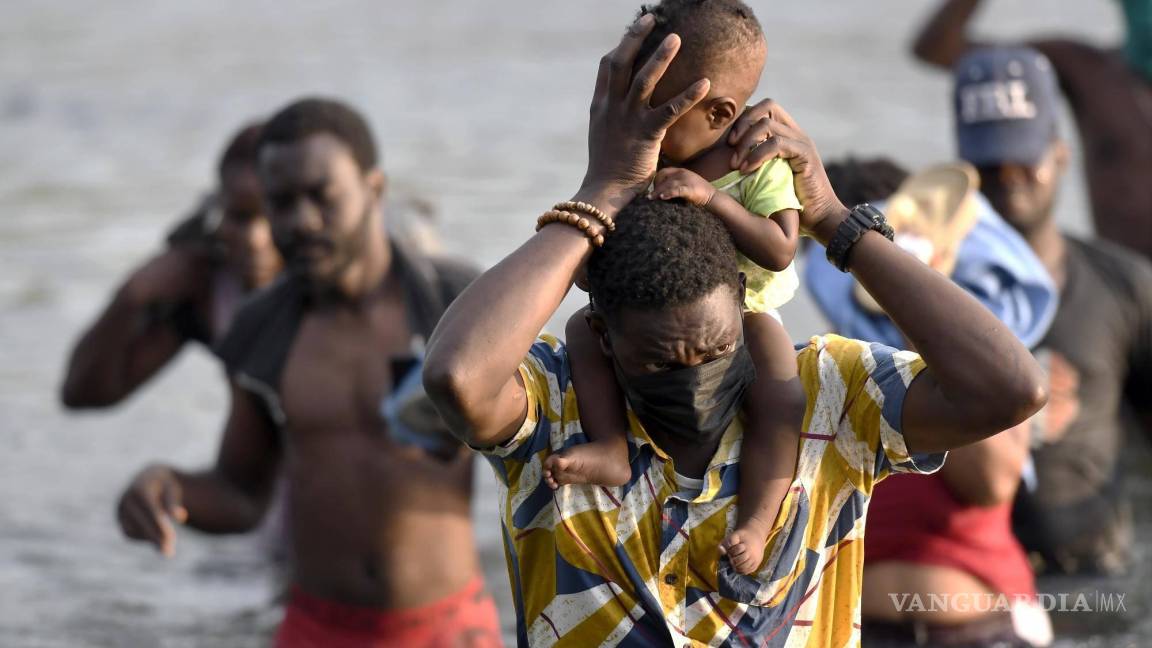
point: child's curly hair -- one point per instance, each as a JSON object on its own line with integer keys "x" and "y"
{"x": 709, "y": 29}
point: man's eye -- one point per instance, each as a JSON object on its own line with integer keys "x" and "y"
{"x": 657, "y": 367}
{"x": 726, "y": 349}
{"x": 280, "y": 203}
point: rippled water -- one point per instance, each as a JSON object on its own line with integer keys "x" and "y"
{"x": 111, "y": 114}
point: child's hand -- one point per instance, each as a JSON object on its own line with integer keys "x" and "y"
{"x": 673, "y": 182}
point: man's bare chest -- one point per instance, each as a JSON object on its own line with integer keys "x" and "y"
{"x": 339, "y": 369}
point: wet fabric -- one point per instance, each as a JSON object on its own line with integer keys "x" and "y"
{"x": 916, "y": 519}
{"x": 638, "y": 565}
{"x": 467, "y": 619}
{"x": 994, "y": 264}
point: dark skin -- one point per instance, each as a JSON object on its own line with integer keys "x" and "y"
{"x": 126, "y": 345}
{"x": 1112, "y": 105}
{"x": 773, "y": 415}
{"x": 979, "y": 379}
{"x": 1025, "y": 195}
{"x": 362, "y": 508}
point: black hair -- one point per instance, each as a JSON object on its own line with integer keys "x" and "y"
{"x": 713, "y": 28}
{"x": 858, "y": 181}
{"x": 315, "y": 115}
{"x": 663, "y": 253}
{"x": 243, "y": 149}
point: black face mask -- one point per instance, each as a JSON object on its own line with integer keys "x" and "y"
{"x": 693, "y": 404}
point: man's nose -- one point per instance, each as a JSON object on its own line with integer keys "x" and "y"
{"x": 1012, "y": 175}
{"x": 305, "y": 217}
{"x": 693, "y": 359}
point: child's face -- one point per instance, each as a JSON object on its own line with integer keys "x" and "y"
{"x": 703, "y": 126}
{"x": 693, "y": 133}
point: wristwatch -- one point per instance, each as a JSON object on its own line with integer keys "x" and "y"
{"x": 861, "y": 219}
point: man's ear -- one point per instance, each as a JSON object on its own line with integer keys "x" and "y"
{"x": 743, "y": 292}
{"x": 600, "y": 328}
{"x": 722, "y": 111}
{"x": 377, "y": 183}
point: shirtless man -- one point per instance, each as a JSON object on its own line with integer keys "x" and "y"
{"x": 1110, "y": 93}
{"x": 190, "y": 291}
{"x": 381, "y": 532}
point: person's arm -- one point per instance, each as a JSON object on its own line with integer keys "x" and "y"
{"x": 944, "y": 38}
{"x": 980, "y": 380}
{"x": 988, "y": 473}
{"x": 471, "y": 369}
{"x": 602, "y": 407}
{"x": 134, "y": 336}
{"x": 768, "y": 242}
{"x": 230, "y": 497}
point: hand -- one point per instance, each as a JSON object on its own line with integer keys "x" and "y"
{"x": 624, "y": 131}
{"x": 149, "y": 505}
{"x": 765, "y": 132}
{"x": 673, "y": 182}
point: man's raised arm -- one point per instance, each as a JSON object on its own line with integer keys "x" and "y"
{"x": 471, "y": 370}
{"x": 944, "y": 38}
{"x": 980, "y": 380}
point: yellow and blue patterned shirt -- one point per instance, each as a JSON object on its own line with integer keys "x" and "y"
{"x": 639, "y": 565}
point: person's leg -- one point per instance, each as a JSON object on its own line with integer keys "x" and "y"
{"x": 604, "y": 459}
{"x": 773, "y": 414}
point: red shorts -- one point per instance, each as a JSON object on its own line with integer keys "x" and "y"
{"x": 465, "y": 619}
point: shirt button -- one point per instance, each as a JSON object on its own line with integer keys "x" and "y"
{"x": 670, "y": 579}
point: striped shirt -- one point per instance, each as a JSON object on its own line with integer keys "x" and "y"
{"x": 639, "y": 565}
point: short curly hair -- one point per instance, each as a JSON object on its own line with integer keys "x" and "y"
{"x": 663, "y": 253}
{"x": 315, "y": 115}
{"x": 242, "y": 150}
{"x": 710, "y": 30}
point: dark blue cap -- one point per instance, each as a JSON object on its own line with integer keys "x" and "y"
{"x": 1006, "y": 106}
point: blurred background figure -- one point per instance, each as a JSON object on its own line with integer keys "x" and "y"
{"x": 1098, "y": 352}
{"x": 188, "y": 292}
{"x": 383, "y": 552}
{"x": 949, "y": 533}
{"x": 98, "y": 143}
{"x": 1110, "y": 93}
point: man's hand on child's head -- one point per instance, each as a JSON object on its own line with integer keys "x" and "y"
{"x": 624, "y": 128}
{"x": 673, "y": 182}
{"x": 766, "y": 132}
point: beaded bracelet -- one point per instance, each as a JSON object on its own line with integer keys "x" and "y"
{"x": 575, "y": 220}
{"x": 591, "y": 210}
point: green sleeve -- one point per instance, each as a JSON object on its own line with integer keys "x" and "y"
{"x": 769, "y": 189}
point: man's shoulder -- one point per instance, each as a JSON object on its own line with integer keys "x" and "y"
{"x": 279, "y": 307}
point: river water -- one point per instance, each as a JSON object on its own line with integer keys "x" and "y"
{"x": 111, "y": 115}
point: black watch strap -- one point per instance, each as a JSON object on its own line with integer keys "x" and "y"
{"x": 863, "y": 218}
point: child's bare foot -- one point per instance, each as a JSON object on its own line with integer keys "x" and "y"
{"x": 587, "y": 463}
{"x": 745, "y": 546}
